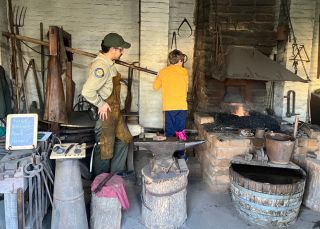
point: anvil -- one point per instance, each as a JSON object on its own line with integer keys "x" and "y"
{"x": 166, "y": 148}
{"x": 162, "y": 151}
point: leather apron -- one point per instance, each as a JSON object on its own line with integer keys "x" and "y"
{"x": 114, "y": 126}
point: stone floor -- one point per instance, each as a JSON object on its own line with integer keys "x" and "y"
{"x": 206, "y": 210}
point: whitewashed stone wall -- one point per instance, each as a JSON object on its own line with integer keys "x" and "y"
{"x": 154, "y": 50}
{"x": 304, "y": 17}
{"x": 4, "y": 55}
{"x": 157, "y": 26}
{"x": 89, "y": 21}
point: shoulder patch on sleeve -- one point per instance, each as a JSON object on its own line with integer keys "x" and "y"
{"x": 98, "y": 72}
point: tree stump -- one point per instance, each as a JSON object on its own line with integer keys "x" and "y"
{"x": 164, "y": 198}
{"x": 311, "y": 198}
{"x": 105, "y": 213}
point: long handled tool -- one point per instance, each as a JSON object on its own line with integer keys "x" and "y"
{"x": 103, "y": 182}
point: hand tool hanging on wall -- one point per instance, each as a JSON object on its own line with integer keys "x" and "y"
{"x": 77, "y": 51}
{"x": 128, "y": 100}
{"x": 174, "y": 40}
{"x": 18, "y": 22}
{"x": 296, "y": 48}
{"x": 42, "y": 61}
{"x": 291, "y": 101}
{"x": 185, "y": 21}
{"x": 14, "y": 75}
{"x": 217, "y": 52}
{"x": 35, "y": 77}
{"x": 36, "y": 81}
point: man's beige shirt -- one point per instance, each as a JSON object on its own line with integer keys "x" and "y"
{"x": 98, "y": 86}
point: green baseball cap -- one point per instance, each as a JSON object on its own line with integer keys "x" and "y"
{"x": 115, "y": 40}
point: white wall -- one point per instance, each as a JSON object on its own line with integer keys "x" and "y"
{"x": 89, "y": 21}
{"x": 304, "y": 17}
{"x": 159, "y": 19}
{"x": 4, "y": 54}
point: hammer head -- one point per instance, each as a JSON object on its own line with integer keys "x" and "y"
{"x": 168, "y": 147}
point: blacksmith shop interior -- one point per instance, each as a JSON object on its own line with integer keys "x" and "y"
{"x": 160, "y": 114}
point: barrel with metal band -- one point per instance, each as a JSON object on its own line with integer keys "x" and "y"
{"x": 267, "y": 196}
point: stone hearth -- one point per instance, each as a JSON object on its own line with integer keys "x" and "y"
{"x": 216, "y": 153}
{"x": 220, "y": 147}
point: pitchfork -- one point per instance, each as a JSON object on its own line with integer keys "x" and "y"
{"x": 19, "y": 15}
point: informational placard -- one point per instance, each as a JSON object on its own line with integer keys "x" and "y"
{"x": 21, "y": 131}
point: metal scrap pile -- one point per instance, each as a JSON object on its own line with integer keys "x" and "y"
{"x": 225, "y": 121}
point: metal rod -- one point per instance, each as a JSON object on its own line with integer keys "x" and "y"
{"x": 20, "y": 208}
{"x": 76, "y": 51}
{"x": 35, "y": 76}
{"x": 42, "y": 61}
{"x": 295, "y": 130}
{"x": 103, "y": 182}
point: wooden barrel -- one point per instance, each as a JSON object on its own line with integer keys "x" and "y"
{"x": 267, "y": 196}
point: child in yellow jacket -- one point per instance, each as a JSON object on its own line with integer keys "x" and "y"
{"x": 173, "y": 80}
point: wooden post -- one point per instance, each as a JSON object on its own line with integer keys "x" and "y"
{"x": 55, "y": 106}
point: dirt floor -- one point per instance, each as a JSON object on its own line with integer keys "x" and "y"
{"x": 206, "y": 210}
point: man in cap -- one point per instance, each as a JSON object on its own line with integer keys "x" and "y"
{"x": 103, "y": 89}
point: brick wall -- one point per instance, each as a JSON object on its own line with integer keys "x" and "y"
{"x": 216, "y": 154}
{"x": 245, "y": 22}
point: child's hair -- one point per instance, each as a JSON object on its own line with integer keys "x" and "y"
{"x": 175, "y": 55}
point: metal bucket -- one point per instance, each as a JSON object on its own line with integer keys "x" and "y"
{"x": 267, "y": 196}
{"x": 279, "y": 147}
{"x": 260, "y": 132}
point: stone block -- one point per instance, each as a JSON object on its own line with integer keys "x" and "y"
{"x": 310, "y": 132}
{"x": 207, "y": 178}
{"x": 221, "y": 171}
{"x": 222, "y": 179}
{"x": 203, "y": 118}
{"x": 220, "y": 188}
{"x": 220, "y": 162}
{"x": 232, "y": 141}
{"x": 229, "y": 153}
{"x": 310, "y": 143}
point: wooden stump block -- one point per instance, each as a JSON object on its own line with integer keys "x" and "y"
{"x": 105, "y": 213}
{"x": 311, "y": 197}
{"x": 164, "y": 199}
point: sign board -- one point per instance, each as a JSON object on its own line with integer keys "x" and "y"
{"x": 21, "y": 131}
